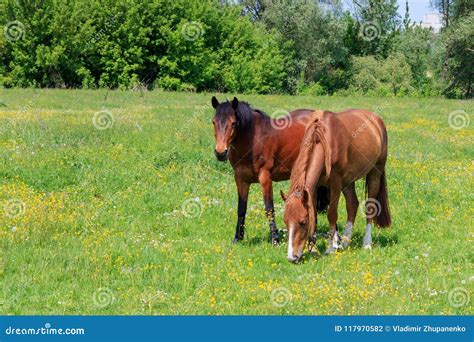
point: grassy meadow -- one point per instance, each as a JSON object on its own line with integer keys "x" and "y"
{"x": 112, "y": 202}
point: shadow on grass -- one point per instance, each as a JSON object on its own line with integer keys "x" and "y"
{"x": 378, "y": 240}
{"x": 257, "y": 240}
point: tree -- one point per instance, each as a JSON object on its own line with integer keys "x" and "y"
{"x": 459, "y": 40}
{"x": 378, "y": 24}
{"x": 255, "y": 8}
{"x": 175, "y": 45}
{"x": 314, "y": 40}
{"x": 390, "y": 76}
{"x": 457, "y": 37}
{"x": 414, "y": 43}
{"x": 445, "y": 8}
{"x": 406, "y": 19}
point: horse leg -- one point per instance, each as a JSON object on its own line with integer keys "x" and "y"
{"x": 267, "y": 189}
{"x": 352, "y": 203}
{"x": 333, "y": 239}
{"x": 312, "y": 239}
{"x": 372, "y": 206}
{"x": 243, "y": 192}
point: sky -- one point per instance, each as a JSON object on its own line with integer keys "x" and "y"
{"x": 417, "y": 8}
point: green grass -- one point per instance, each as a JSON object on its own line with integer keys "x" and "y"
{"x": 101, "y": 227}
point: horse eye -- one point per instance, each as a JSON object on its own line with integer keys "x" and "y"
{"x": 233, "y": 124}
{"x": 302, "y": 223}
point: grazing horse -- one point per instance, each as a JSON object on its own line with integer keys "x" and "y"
{"x": 337, "y": 150}
{"x": 260, "y": 149}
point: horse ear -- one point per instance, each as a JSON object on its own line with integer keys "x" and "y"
{"x": 235, "y": 103}
{"x": 283, "y": 196}
{"x": 214, "y": 102}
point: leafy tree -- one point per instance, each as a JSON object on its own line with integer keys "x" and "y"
{"x": 255, "y": 8}
{"x": 313, "y": 37}
{"x": 247, "y": 46}
{"x": 378, "y": 25}
{"x": 365, "y": 69}
{"x": 390, "y": 76}
{"x": 459, "y": 40}
{"x": 177, "y": 45}
{"x": 445, "y": 7}
{"x": 397, "y": 74}
{"x": 407, "y": 24}
{"x": 415, "y": 44}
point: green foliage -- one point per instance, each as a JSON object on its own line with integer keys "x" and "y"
{"x": 314, "y": 89}
{"x": 459, "y": 41}
{"x": 243, "y": 46}
{"x": 377, "y": 26}
{"x": 390, "y": 76}
{"x": 254, "y": 62}
{"x": 316, "y": 40}
{"x": 366, "y": 71}
{"x": 414, "y": 43}
{"x": 175, "y": 45}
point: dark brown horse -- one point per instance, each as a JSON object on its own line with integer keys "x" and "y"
{"x": 337, "y": 150}
{"x": 260, "y": 149}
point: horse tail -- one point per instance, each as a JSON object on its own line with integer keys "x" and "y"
{"x": 322, "y": 199}
{"x": 383, "y": 219}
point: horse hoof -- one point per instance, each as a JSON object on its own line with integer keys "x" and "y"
{"x": 345, "y": 242}
{"x": 367, "y": 247}
{"x": 330, "y": 250}
{"x": 235, "y": 241}
{"x": 275, "y": 242}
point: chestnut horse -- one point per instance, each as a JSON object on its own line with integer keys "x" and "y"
{"x": 260, "y": 149}
{"x": 337, "y": 150}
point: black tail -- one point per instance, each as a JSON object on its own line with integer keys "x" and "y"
{"x": 383, "y": 219}
{"x": 322, "y": 199}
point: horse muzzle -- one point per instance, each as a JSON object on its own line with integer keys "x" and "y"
{"x": 222, "y": 156}
{"x": 294, "y": 258}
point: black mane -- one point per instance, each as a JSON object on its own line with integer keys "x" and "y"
{"x": 244, "y": 113}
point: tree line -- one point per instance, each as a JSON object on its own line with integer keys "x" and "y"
{"x": 313, "y": 47}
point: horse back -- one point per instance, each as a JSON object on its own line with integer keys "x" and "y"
{"x": 358, "y": 140}
{"x": 276, "y": 144}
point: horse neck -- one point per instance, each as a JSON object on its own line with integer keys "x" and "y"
{"x": 315, "y": 168}
{"x": 244, "y": 139}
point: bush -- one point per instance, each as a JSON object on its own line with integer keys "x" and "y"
{"x": 396, "y": 73}
{"x": 366, "y": 73}
{"x": 174, "y": 45}
{"x": 385, "y": 77}
{"x": 314, "y": 89}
